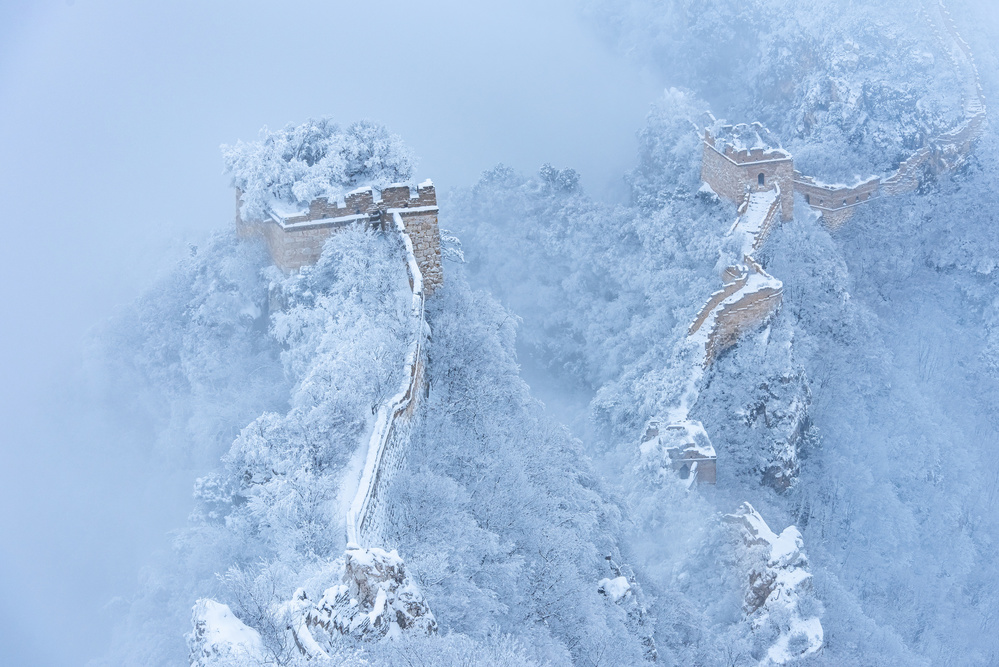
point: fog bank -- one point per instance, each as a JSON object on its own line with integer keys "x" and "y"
{"x": 111, "y": 114}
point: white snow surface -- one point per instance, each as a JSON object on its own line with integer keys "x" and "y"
{"x": 785, "y": 581}
{"x": 615, "y": 588}
{"x": 751, "y": 224}
{"x": 219, "y": 634}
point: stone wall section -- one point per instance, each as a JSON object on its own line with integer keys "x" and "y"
{"x": 745, "y": 314}
{"x": 835, "y": 203}
{"x": 389, "y": 441}
{"x": 836, "y": 219}
{"x": 296, "y": 240}
{"x": 426, "y": 236}
{"x": 365, "y": 526}
{"x": 730, "y": 287}
{"x": 291, "y": 250}
{"x": 749, "y": 295}
{"x": 731, "y": 173}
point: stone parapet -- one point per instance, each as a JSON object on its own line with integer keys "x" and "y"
{"x": 296, "y": 238}
{"x": 748, "y": 312}
{"x": 825, "y": 197}
{"x": 739, "y": 277}
{"x": 389, "y": 439}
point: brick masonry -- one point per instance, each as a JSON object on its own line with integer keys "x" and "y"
{"x": 297, "y": 240}
{"x": 732, "y": 173}
{"x": 746, "y": 314}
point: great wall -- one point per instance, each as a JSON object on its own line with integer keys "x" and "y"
{"x": 742, "y": 164}
{"x": 759, "y": 177}
{"x": 944, "y": 152}
{"x": 390, "y": 436}
{"x": 745, "y": 165}
{"x": 295, "y": 238}
{"x": 376, "y": 598}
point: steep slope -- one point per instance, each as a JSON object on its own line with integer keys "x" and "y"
{"x": 495, "y": 509}
{"x": 862, "y": 415}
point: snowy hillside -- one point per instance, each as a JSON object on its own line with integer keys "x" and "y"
{"x": 849, "y": 517}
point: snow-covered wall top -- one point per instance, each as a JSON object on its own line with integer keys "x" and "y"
{"x": 390, "y": 436}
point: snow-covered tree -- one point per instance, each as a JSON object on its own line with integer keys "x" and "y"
{"x": 317, "y": 158}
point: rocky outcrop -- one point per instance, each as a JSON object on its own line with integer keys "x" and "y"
{"x": 376, "y": 600}
{"x": 780, "y": 408}
{"x": 779, "y": 600}
{"x": 219, "y": 638}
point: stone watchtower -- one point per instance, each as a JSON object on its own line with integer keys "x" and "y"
{"x": 295, "y": 236}
{"x": 749, "y": 160}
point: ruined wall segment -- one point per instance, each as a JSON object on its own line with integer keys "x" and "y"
{"x": 683, "y": 448}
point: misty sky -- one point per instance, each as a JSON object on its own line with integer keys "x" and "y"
{"x": 111, "y": 116}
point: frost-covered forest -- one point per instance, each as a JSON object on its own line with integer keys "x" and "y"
{"x": 532, "y": 521}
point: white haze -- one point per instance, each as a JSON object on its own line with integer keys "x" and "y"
{"x": 111, "y": 114}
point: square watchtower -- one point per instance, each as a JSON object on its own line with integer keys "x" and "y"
{"x": 745, "y": 158}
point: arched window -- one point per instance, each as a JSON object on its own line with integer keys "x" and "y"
{"x": 808, "y": 199}
{"x": 761, "y": 179}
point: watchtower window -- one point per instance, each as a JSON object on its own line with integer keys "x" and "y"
{"x": 808, "y": 199}
{"x": 761, "y": 179}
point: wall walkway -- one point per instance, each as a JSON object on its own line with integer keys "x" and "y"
{"x": 389, "y": 440}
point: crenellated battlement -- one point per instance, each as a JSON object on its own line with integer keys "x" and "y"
{"x": 746, "y": 155}
{"x": 753, "y": 155}
{"x": 404, "y": 196}
{"x": 296, "y": 236}
{"x": 361, "y": 202}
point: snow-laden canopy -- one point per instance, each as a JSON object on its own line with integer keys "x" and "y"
{"x": 317, "y": 158}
